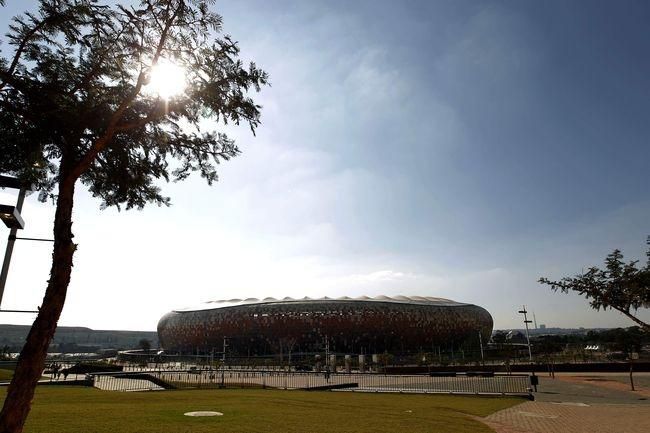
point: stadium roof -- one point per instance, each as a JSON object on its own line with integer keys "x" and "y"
{"x": 414, "y": 300}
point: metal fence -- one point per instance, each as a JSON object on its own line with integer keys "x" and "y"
{"x": 452, "y": 383}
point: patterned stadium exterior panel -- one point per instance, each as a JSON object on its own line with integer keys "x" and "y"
{"x": 351, "y": 325}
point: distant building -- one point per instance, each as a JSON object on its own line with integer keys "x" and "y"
{"x": 542, "y": 326}
{"x": 349, "y": 325}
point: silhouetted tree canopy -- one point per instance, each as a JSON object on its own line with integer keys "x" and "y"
{"x": 620, "y": 286}
{"x": 499, "y": 338}
{"x": 144, "y": 344}
{"x": 73, "y": 98}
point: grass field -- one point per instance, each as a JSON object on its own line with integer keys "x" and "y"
{"x": 88, "y": 410}
{"x": 6, "y": 375}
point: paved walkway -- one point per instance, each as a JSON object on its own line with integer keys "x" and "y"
{"x": 571, "y": 405}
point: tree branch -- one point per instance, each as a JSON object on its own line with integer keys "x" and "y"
{"x": 105, "y": 139}
{"x": 641, "y": 323}
{"x": 92, "y": 72}
{"x": 153, "y": 115}
{"x": 21, "y": 48}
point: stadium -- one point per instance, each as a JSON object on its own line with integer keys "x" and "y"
{"x": 395, "y": 325}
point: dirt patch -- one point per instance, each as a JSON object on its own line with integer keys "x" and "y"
{"x": 604, "y": 382}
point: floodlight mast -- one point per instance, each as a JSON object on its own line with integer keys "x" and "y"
{"x": 526, "y": 322}
{"x": 14, "y": 224}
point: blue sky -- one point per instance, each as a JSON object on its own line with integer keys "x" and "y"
{"x": 456, "y": 149}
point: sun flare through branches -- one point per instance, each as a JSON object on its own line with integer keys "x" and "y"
{"x": 167, "y": 79}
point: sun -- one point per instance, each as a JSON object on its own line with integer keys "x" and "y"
{"x": 167, "y": 79}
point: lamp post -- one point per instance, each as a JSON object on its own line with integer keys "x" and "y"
{"x": 11, "y": 217}
{"x": 223, "y": 362}
{"x": 327, "y": 359}
{"x": 526, "y": 322}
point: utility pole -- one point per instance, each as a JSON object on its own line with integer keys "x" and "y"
{"x": 480, "y": 342}
{"x": 526, "y": 322}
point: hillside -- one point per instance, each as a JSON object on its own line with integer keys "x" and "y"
{"x": 78, "y": 339}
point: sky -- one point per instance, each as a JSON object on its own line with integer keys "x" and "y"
{"x": 456, "y": 149}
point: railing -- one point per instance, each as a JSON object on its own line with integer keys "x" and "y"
{"x": 368, "y": 382}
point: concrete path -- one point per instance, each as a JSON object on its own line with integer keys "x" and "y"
{"x": 571, "y": 405}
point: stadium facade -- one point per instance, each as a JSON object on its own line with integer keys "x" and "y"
{"x": 396, "y": 325}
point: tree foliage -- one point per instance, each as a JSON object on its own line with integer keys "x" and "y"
{"x": 620, "y": 286}
{"x": 499, "y": 338}
{"x": 74, "y": 100}
{"x": 76, "y": 105}
{"x": 144, "y": 344}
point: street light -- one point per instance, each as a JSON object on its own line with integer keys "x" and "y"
{"x": 11, "y": 217}
{"x": 10, "y": 182}
{"x": 526, "y": 322}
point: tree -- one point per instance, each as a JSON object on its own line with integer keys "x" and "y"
{"x": 145, "y": 345}
{"x": 76, "y": 105}
{"x": 619, "y": 286}
{"x": 499, "y": 338}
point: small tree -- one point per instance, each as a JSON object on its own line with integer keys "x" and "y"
{"x": 145, "y": 345}
{"x": 619, "y": 286}
{"x": 77, "y": 105}
{"x": 499, "y": 338}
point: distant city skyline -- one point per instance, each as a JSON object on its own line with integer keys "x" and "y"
{"x": 456, "y": 149}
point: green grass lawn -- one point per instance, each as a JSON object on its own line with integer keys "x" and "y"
{"x": 6, "y": 374}
{"x": 88, "y": 410}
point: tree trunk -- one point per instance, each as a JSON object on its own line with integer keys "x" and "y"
{"x": 32, "y": 357}
{"x": 644, "y": 326}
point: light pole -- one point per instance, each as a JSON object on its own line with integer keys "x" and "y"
{"x": 526, "y": 322}
{"x": 223, "y": 362}
{"x": 327, "y": 359}
{"x": 10, "y": 215}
